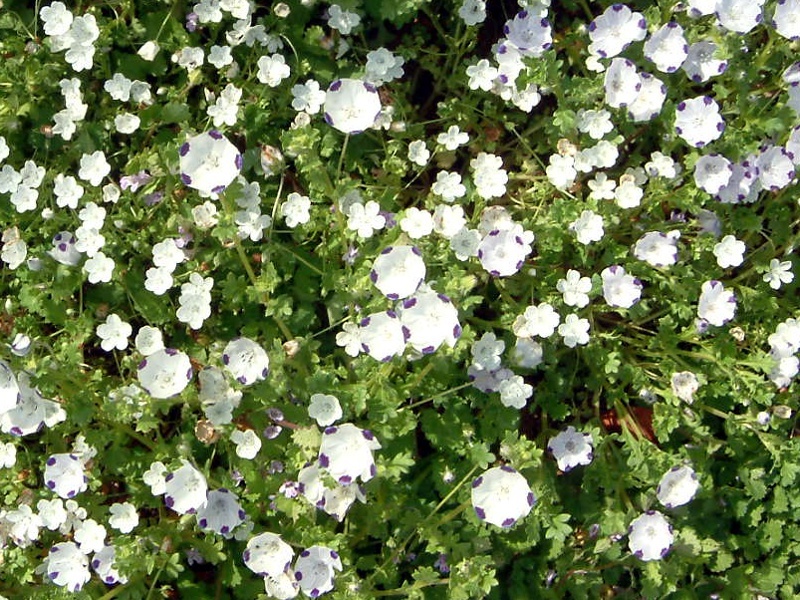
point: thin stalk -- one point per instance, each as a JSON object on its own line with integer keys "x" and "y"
{"x": 341, "y": 156}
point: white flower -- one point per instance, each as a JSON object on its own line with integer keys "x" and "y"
{"x": 528, "y": 353}
{"x": 123, "y": 517}
{"x": 205, "y": 215}
{"x": 452, "y": 138}
{"x": 8, "y": 455}
{"x": 296, "y": 210}
{"x": 247, "y": 443}
{"x": 118, "y": 87}
{"x": 780, "y": 272}
{"x": 343, "y": 21}
{"x": 540, "y": 320}
{"x": 488, "y": 175}
{"x": 67, "y": 190}
{"x": 165, "y": 373}
{"x": 114, "y": 333}
{"x": 571, "y": 448}
{"x": 220, "y": 56}
{"x": 677, "y": 487}
{"x": 501, "y": 496}
{"x": 487, "y": 350}
{"x": 365, "y": 219}
{"x": 650, "y": 536}
{"x": 398, "y": 271}
{"x": 324, "y": 409}
{"x": 346, "y": 453}
{"x": 64, "y": 475}
{"x": 472, "y": 12}
{"x": 126, "y": 123}
{"x": 155, "y": 478}
{"x": 514, "y": 392}
{"x": 448, "y": 186}
{"x": 602, "y": 187}
{"x": 619, "y": 288}
{"x": 465, "y": 243}
{"x": 351, "y": 106}
{"x": 383, "y": 66}
{"x": 417, "y": 223}
{"x": 481, "y": 75}
{"x": 158, "y": 280}
{"x": 588, "y": 227}
{"x": 186, "y": 489}
{"x": 52, "y": 513}
{"x": 91, "y": 536}
{"x": 308, "y": 97}
{"x": 684, "y": 384}
{"x": 149, "y": 340}
{"x": 574, "y": 330}
{"x": 418, "y": 153}
{"x": 729, "y": 252}
{"x": 195, "y": 300}
{"x": 226, "y": 106}
{"x": 350, "y": 339}
{"x": 575, "y": 289}
{"x": 25, "y": 525}
{"x": 57, "y": 19}
{"x": 448, "y": 220}
{"x": 716, "y": 305}
{"x": 272, "y": 70}
{"x": 596, "y": 123}
{"x": 94, "y": 167}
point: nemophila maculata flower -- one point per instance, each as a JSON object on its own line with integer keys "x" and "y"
{"x": 658, "y": 249}
{"x": 571, "y": 448}
{"x": 529, "y": 33}
{"x": 667, "y": 47}
{"x": 222, "y": 512}
{"x": 700, "y": 64}
{"x": 124, "y": 517}
{"x": 66, "y": 566}
{"x": 503, "y": 252}
{"x": 615, "y": 30}
{"x": 775, "y": 168}
{"x": 10, "y": 394}
{"x": 677, "y": 487}
{"x": 650, "y": 99}
{"x": 698, "y": 122}
{"x": 185, "y": 490}
{"x": 428, "y": 320}
{"x": 619, "y": 288}
{"x": 650, "y": 536}
{"x": 315, "y": 568}
{"x": 64, "y": 474}
{"x": 268, "y": 555}
{"x": 104, "y": 564}
{"x": 622, "y": 83}
{"x": 740, "y": 16}
{"x": 716, "y": 305}
{"x": 32, "y": 412}
{"x": 398, "y": 271}
{"x": 346, "y": 453}
{"x": 209, "y": 163}
{"x": 245, "y": 360}
{"x": 501, "y": 496}
{"x": 351, "y": 106}
{"x": 165, "y": 373}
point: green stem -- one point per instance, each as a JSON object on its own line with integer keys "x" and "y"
{"x": 435, "y": 396}
{"x": 341, "y": 156}
{"x": 417, "y": 586}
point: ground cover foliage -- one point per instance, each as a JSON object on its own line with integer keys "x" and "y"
{"x": 423, "y": 299}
